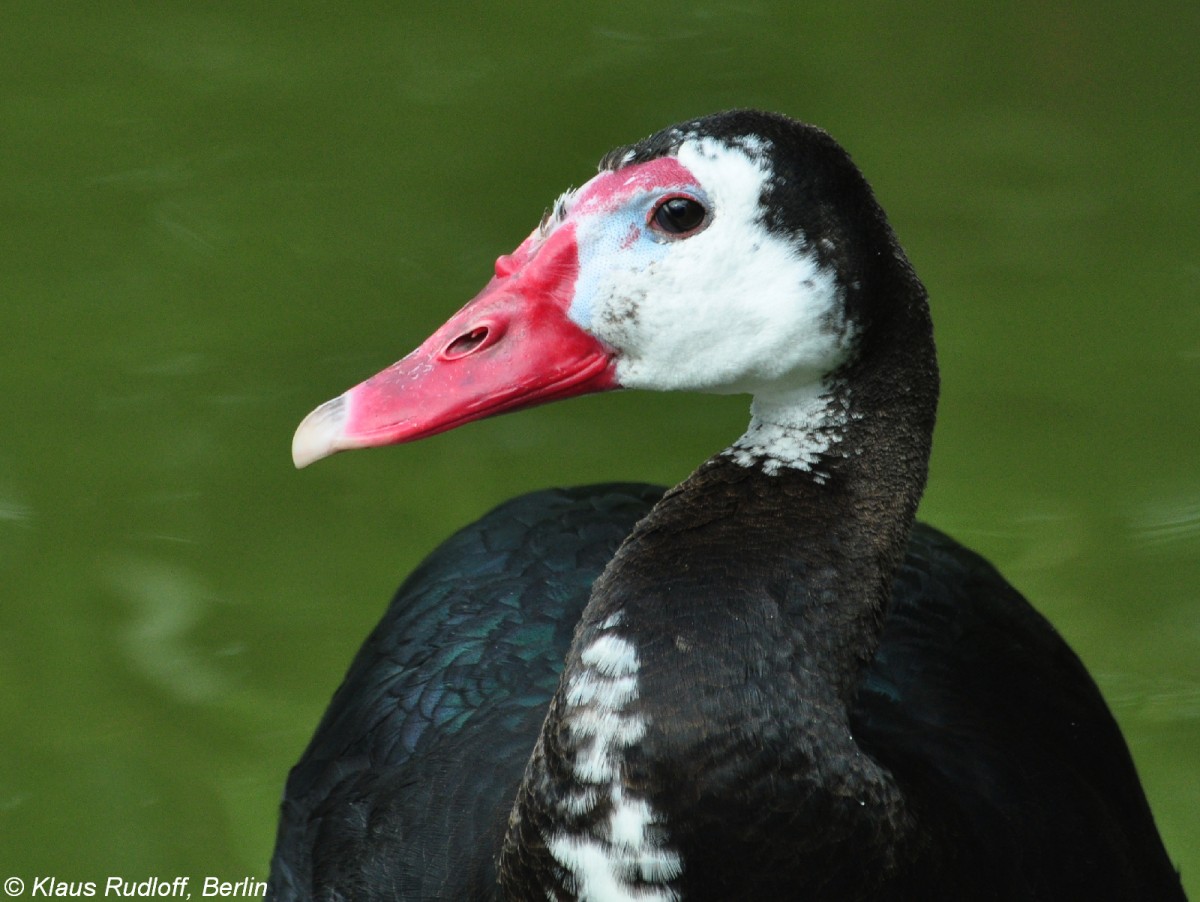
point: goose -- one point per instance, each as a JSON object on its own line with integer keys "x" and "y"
{"x": 768, "y": 682}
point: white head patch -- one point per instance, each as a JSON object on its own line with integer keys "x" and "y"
{"x": 733, "y": 307}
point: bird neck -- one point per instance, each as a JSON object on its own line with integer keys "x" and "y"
{"x": 715, "y": 667}
{"x": 704, "y": 707}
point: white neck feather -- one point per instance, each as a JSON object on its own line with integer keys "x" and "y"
{"x": 794, "y": 430}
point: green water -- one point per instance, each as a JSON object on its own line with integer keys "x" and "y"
{"x": 211, "y": 219}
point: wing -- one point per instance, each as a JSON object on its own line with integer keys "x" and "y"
{"x": 408, "y": 781}
{"x": 1003, "y": 743}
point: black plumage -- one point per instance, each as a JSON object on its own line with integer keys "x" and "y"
{"x": 404, "y": 790}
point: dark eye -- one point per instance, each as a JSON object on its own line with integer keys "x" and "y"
{"x": 678, "y": 215}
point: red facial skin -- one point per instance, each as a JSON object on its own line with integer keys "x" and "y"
{"x": 513, "y": 346}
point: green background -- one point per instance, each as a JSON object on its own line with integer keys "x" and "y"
{"x": 215, "y": 216}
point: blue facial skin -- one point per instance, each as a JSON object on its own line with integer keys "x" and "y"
{"x": 625, "y": 232}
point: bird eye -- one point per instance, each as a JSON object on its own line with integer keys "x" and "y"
{"x": 678, "y": 215}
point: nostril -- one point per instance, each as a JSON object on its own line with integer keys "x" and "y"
{"x": 465, "y": 344}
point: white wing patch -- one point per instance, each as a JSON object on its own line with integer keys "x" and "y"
{"x": 623, "y": 856}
